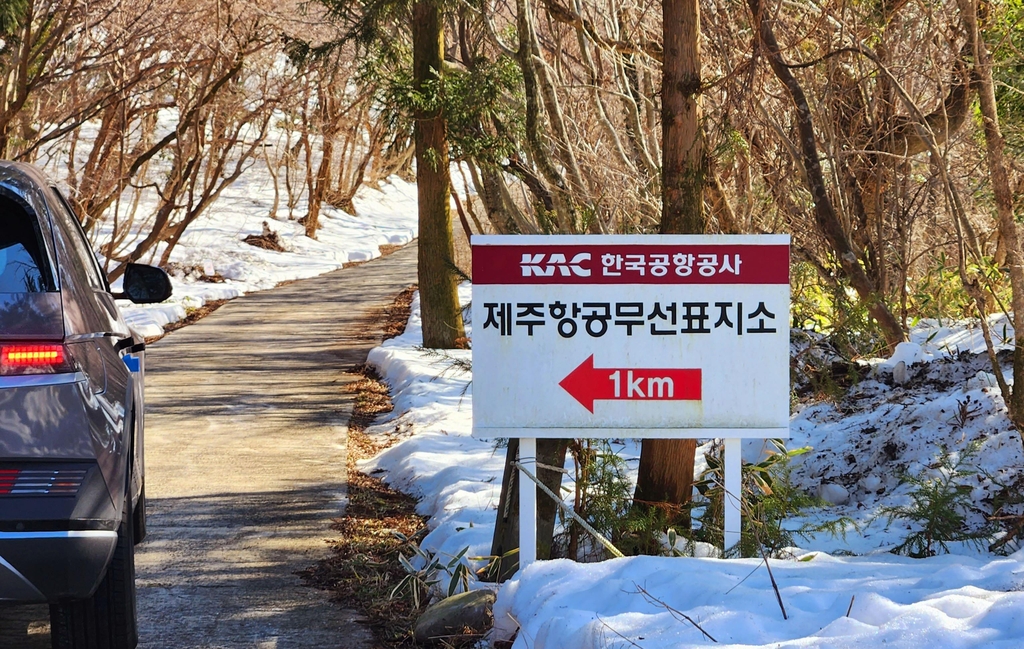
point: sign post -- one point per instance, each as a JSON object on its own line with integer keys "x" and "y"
{"x": 671, "y": 336}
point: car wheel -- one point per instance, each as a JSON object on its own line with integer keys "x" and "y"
{"x": 139, "y": 516}
{"x": 107, "y": 620}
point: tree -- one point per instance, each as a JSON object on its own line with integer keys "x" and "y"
{"x": 666, "y": 465}
{"x": 683, "y": 156}
{"x": 995, "y": 159}
{"x": 372, "y": 25}
{"x": 439, "y": 298}
{"x": 827, "y": 219}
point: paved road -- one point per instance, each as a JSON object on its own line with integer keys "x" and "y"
{"x": 245, "y": 459}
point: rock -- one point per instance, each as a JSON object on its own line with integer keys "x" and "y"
{"x": 981, "y": 380}
{"x": 834, "y": 494}
{"x": 899, "y": 373}
{"x": 908, "y": 353}
{"x": 465, "y": 614}
{"x": 871, "y": 483}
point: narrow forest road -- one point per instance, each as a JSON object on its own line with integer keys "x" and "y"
{"x": 246, "y": 428}
{"x": 246, "y": 424}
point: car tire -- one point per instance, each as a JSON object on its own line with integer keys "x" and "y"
{"x": 107, "y": 620}
{"x": 139, "y": 516}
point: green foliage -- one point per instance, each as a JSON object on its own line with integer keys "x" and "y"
{"x": 602, "y": 493}
{"x": 485, "y": 109}
{"x": 418, "y": 582}
{"x": 372, "y": 24}
{"x": 13, "y": 14}
{"x": 769, "y": 501}
{"x": 727, "y": 143}
{"x": 483, "y": 106}
{"x": 938, "y": 507}
{"x": 939, "y": 294}
{"x": 833, "y": 308}
{"x": 602, "y": 496}
{"x": 642, "y": 529}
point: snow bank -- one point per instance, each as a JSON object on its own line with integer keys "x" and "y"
{"x": 456, "y": 478}
{"x": 947, "y": 602}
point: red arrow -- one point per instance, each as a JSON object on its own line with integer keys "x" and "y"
{"x": 587, "y": 384}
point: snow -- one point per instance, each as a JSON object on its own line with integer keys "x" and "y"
{"x": 945, "y": 601}
{"x": 214, "y": 246}
{"x": 837, "y": 592}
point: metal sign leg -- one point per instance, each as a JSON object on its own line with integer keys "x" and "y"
{"x": 527, "y": 503}
{"x": 733, "y": 492}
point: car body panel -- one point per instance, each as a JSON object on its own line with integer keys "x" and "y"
{"x": 91, "y": 318}
{"x": 56, "y": 565}
{"x": 89, "y": 508}
{"x": 46, "y": 421}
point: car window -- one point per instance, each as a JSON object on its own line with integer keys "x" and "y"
{"x": 80, "y": 244}
{"x": 23, "y": 264}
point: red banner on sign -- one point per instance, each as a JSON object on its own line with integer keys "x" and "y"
{"x": 631, "y": 264}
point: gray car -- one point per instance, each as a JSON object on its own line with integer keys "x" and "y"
{"x": 72, "y": 482}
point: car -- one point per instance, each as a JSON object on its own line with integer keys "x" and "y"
{"x": 72, "y": 480}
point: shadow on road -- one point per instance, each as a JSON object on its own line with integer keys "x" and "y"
{"x": 195, "y": 590}
{"x": 24, "y": 627}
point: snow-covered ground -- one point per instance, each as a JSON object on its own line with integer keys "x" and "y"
{"x": 213, "y": 245}
{"x": 837, "y": 592}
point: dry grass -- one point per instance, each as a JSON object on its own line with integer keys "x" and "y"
{"x": 396, "y": 316}
{"x": 192, "y": 316}
{"x": 269, "y": 241}
{"x": 385, "y": 250}
{"x": 363, "y": 569}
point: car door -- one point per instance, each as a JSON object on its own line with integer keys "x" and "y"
{"x": 92, "y": 319}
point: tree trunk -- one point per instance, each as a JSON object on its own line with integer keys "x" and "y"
{"x": 681, "y": 131}
{"x": 564, "y": 215}
{"x": 320, "y": 182}
{"x": 666, "y": 477}
{"x": 506, "y": 526}
{"x": 1003, "y": 195}
{"x": 439, "y": 299}
{"x": 666, "y": 465}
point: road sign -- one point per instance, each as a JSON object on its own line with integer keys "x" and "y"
{"x": 632, "y": 336}
{"x": 695, "y": 313}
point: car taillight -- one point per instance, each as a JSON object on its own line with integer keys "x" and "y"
{"x": 34, "y": 359}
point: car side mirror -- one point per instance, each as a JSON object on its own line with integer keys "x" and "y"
{"x": 146, "y": 284}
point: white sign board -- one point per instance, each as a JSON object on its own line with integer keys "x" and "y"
{"x": 631, "y": 336}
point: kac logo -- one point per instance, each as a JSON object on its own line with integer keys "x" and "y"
{"x": 534, "y": 265}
